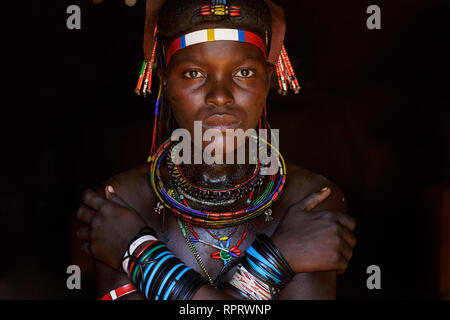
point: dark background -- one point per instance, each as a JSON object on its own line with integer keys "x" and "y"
{"x": 372, "y": 117}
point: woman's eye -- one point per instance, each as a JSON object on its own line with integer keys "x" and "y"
{"x": 244, "y": 73}
{"x": 193, "y": 74}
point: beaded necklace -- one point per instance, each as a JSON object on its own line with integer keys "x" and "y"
{"x": 225, "y": 253}
{"x": 193, "y": 192}
{"x": 187, "y": 236}
{"x": 175, "y": 198}
{"x": 181, "y": 209}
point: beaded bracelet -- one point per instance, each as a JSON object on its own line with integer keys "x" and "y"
{"x": 249, "y": 286}
{"x": 133, "y": 247}
{"x": 265, "y": 264}
{"x": 158, "y": 274}
{"x": 149, "y": 234}
{"x": 119, "y": 292}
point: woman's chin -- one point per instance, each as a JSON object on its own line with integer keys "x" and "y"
{"x": 223, "y": 151}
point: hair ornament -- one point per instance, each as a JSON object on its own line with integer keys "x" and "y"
{"x": 220, "y": 8}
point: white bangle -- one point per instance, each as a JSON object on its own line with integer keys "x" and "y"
{"x": 136, "y": 243}
{"x": 246, "y": 282}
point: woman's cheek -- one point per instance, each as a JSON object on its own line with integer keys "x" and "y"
{"x": 254, "y": 105}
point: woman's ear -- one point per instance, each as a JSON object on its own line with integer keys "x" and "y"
{"x": 270, "y": 71}
{"x": 161, "y": 72}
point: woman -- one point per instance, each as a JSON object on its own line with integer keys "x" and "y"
{"x": 200, "y": 210}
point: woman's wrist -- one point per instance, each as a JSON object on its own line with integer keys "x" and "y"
{"x": 137, "y": 246}
{"x": 142, "y": 238}
{"x": 206, "y": 292}
{"x": 284, "y": 248}
{"x": 262, "y": 272}
{"x": 157, "y": 273}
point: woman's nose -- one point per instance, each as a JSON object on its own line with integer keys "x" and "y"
{"x": 219, "y": 94}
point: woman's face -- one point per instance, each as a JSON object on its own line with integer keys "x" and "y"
{"x": 224, "y": 84}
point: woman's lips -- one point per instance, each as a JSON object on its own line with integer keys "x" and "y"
{"x": 221, "y": 122}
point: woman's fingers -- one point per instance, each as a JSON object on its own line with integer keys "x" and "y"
{"x": 86, "y": 248}
{"x": 348, "y": 236}
{"x": 111, "y": 195}
{"x": 85, "y": 214}
{"x": 311, "y": 201}
{"x": 346, "y": 250}
{"x": 347, "y": 221}
{"x": 83, "y": 233}
{"x": 93, "y": 199}
{"x": 341, "y": 265}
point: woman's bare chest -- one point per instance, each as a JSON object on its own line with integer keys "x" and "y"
{"x": 208, "y": 250}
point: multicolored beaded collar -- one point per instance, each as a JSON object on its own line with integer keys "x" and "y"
{"x": 168, "y": 199}
{"x": 209, "y": 35}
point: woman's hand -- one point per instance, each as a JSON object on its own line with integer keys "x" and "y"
{"x": 315, "y": 241}
{"x": 109, "y": 226}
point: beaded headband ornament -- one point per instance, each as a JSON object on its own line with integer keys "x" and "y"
{"x": 277, "y": 54}
{"x": 209, "y": 35}
{"x": 220, "y": 8}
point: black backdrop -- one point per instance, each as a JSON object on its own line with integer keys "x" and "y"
{"x": 371, "y": 117}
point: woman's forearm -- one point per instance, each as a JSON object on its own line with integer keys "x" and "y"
{"x": 304, "y": 286}
{"x": 207, "y": 292}
{"x": 311, "y": 286}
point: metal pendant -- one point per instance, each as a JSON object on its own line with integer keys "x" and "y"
{"x": 268, "y": 214}
{"x": 159, "y": 208}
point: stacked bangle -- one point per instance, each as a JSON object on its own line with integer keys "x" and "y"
{"x": 119, "y": 292}
{"x": 265, "y": 262}
{"x": 145, "y": 234}
{"x": 157, "y": 273}
{"x": 249, "y": 286}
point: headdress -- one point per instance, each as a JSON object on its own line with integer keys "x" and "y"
{"x": 277, "y": 54}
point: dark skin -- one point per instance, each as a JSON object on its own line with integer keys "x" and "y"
{"x": 310, "y": 226}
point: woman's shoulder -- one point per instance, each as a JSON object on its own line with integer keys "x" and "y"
{"x": 302, "y": 182}
{"x": 133, "y": 186}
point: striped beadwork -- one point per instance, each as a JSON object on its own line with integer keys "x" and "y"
{"x": 209, "y": 35}
{"x": 209, "y": 219}
{"x": 220, "y": 8}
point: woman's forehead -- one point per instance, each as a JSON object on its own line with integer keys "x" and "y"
{"x": 213, "y": 35}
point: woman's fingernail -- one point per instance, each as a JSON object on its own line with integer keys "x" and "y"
{"x": 324, "y": 189}
{"x": 110, "y": 189}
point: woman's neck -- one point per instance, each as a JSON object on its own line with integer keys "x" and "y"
{"x": 217, "y": 176}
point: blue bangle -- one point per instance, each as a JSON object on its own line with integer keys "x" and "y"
{"x": 150, "y": 265}
{"x": 166, "y": 295}
{"x": 162, "y": 276}
{"x": 262, "y": 272}
{"x": 149, "y": 281}
{"x": 259, "y": 257}
{"x": 263, "y": 260}
{"x": 167, "y": 278}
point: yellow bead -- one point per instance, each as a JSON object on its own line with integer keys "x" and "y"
{"x": 223, "y": 238}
